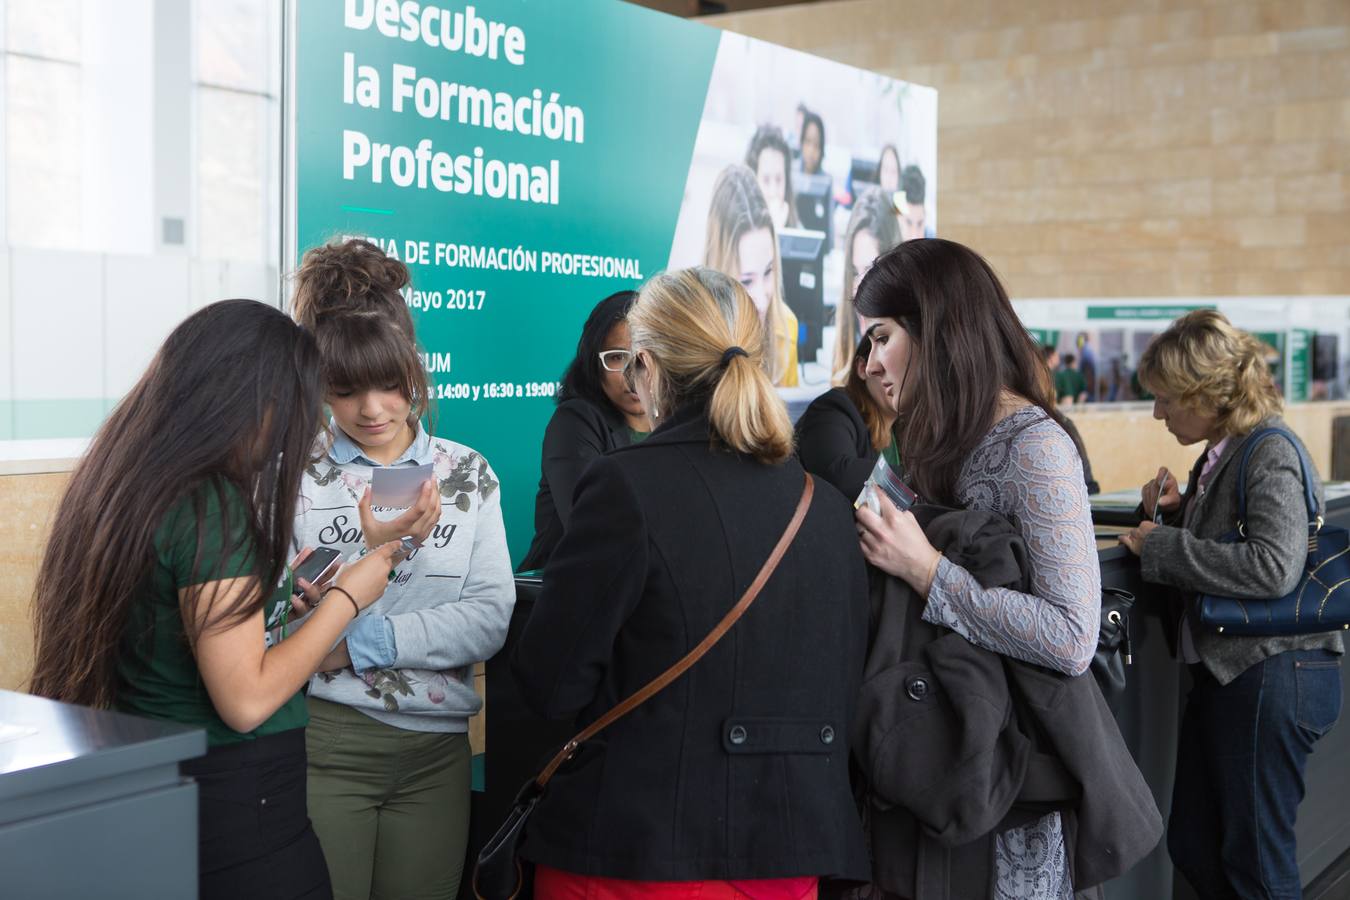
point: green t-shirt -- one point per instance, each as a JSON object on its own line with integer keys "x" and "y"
{"x": 636, "y": 436}
{"x": 157, "y": 674}
{"x": 1069, "y": 383}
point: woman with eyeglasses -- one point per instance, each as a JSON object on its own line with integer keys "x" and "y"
{"x": 596, "y": 413}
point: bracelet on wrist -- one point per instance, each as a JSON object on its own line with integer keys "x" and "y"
{"x": 356, "y": 610}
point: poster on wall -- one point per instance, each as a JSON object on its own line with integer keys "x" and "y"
{"x": 1305, "y": 341}
{"x": 527, "y": 159}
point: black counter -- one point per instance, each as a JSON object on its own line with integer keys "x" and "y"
{"x": 1149, "y": 715}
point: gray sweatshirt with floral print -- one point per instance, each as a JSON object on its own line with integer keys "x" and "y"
{"x": 447, "y": 606}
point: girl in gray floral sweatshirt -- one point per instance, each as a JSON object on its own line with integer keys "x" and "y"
{"x": 387, "y": 741}
{"x": 448, "y": 604}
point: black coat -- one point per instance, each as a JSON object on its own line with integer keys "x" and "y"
{"x": 578, "y": 432}
{"x": 740, "y": 768}
{"x": 957, "y": 743}
{"x": 832, "y": 442}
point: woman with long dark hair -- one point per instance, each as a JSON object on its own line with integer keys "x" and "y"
{"x": 596, "y": 413}
{"x": 976, "y": 428}
{"x": 165, "y": 590}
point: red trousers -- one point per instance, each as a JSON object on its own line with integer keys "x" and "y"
{"x": 555, "y": 884}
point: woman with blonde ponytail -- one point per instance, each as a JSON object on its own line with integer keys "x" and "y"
{"x": 1257, "y": 704}
{"x": 733, "y": 781}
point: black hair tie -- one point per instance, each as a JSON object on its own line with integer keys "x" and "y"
{"x": 731, "y": 353}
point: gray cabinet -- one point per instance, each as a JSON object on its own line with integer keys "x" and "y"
{"x": 92, "y": 805}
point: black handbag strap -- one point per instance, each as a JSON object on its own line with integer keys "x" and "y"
{"x": 661, "y": 681}
{"x": 1309, "y": 498}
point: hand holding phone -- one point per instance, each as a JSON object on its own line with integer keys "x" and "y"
{"x": 315, "y": 567}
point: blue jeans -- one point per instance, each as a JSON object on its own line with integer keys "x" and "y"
{"x": 1239, "y": 781}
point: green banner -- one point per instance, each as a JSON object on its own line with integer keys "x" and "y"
{"x": 1298, "y": 372}
{"x": 524, "y": 158}
{"x": 1141, "y": 312}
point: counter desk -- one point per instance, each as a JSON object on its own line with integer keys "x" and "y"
{"x": 92, "y": 805}
{"x": 1149, "y": 715}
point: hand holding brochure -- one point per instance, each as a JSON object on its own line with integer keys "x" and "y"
{"x": 885, "y": 481}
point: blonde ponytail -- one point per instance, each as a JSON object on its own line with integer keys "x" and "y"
{"x": 690, "y": 322}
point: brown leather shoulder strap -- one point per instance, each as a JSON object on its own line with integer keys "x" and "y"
{"x": 665, "y": 678}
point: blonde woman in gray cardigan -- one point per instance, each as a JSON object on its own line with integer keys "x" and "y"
{"x": 1257, "y": 704}
{"x": 389, "y": 759}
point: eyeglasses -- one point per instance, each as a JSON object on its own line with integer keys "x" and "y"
{"x": 615, "y": 360}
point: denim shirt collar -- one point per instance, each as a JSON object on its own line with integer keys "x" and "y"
{"x": 345, "y": 450}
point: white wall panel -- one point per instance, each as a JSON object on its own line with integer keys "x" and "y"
{"x": 147, "y": 296}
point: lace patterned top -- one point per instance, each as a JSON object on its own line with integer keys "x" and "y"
{"x": 1027, "y": 469}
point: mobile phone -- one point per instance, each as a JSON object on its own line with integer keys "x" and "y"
{"x": 397, "y": 488}
{"x": 320, "y": 563}
{"x": 885, "y": 481}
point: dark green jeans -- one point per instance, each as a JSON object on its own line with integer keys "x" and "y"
{"x": 391, "y": 807}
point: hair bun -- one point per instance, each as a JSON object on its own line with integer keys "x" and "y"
{"x": 351, "y": 277}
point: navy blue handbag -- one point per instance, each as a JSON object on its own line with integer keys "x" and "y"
{"x": 1320, "y": 601}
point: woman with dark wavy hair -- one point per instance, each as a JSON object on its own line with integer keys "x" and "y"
{"x": 977, "y": 428}
{"x": 769, "y": 157}
{"x": 165, "y": 590}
